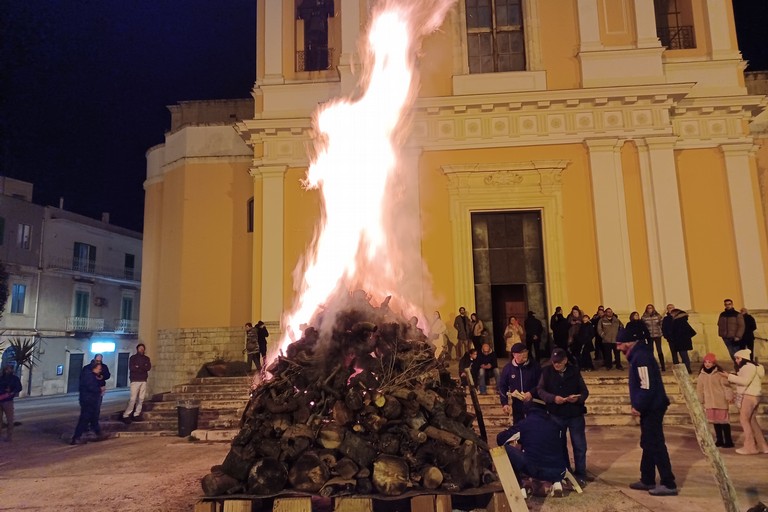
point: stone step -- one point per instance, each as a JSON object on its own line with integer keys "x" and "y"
{"x": 203, "y": 404}
{"x": 212, "y": 388}
{"x": 222, "y": 380}
{"x": 206, "y": 396}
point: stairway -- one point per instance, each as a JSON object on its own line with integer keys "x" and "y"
{"x": 221, "y": 400}
{"x": 608, "y": 404}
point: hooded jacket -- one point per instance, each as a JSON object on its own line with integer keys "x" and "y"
{"x": 682, "y": 332}
{"x": 646, "y": 389}
{"x": 523, "y": 378}
{"x": 730, "y": 324}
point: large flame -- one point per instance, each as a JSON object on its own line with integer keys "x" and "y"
{"x": 359, "y": 243}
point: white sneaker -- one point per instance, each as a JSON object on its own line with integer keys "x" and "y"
{"x": 524, "y": 493}
{"x": 557, "y": 490}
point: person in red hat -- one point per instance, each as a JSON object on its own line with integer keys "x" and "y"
{"x": 715, "y": 394}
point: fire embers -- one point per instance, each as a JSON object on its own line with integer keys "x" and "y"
{"x": 367, "y": 410}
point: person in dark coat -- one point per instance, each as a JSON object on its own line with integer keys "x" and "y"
{"x": 559, "y": 325}
{"x": 533, "y": 331}
{"x": 650, "y": 402}
{"x": 90, "y": 395}
{"x": 583, "y": 345}
{"x": 469, "y": 362}
{"x": 635, "y": 330}
{"x": 103, "y": 377}
{"x": 563, "y": 389}
{"x": 750, "y": 326}
{"x": 533, "y": 447}
{"x": 520, "y": 377}
{"x": 488, "y": 368}
{"x": 682, "y": 337}
{"x": 262, "y": 334}
{"x": 598, "y": 340}
{"x": 10, "y": 386}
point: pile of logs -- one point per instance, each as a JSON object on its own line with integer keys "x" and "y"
{"x": 361, "y": 407}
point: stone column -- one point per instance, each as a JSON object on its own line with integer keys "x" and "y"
{"x": 739, "y": 159}
{"x": 664, "y": 223}
{"x": 273, "y": 50}
{"x": 589, "y": 26}
{"x": 645, "y": 24}
{"x": 615, "y": 261}
{"x": 272, "y": 199}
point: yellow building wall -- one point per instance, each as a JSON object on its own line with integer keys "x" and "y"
{"x": 616, "y": 19}
{"x": 638, "y": 235}
{"x": 206, "y": 253}
{"x": 559, "y": 44}
{"x": 436, "y": 65}
{"x": 709, "y": 239}
{"x": 301, "y": 211}
{"x": 578, "y": 223}
{"x": 151, "y": 277}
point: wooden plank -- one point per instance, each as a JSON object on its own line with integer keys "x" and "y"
{"x": 206, "y": 506}
{"x": 498, "y": 503}
{"x": 707, "y": 444}
{"x": 425, "y": 503}
{"x": 574, "y": 482}
{"x": 508, "y": 479}
{"x": 301, "y": 504}
{"x": 443, "y": 503}
{"x": 238, "y": 506}
{"x": 347, "y": 504}
{"x": 476, "y": 405}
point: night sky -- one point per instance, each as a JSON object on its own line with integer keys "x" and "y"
{"x": 84, "y": 86}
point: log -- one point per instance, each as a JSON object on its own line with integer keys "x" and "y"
{"x": 389, "y": 444}
{"x": 390, "y": 475}
{"x": 443, "y": 436}
{"x": 357, "y": 449}
{"x": 391, "y": 408}
{"x": 431, "y": 477}
{"x": 308, "y": 473}
{"x": 217, "y": 483}
{"x": 341, "y": 414}
{"x": 331, "y": 436}
{"x": 238, "y": 462}
{"x": 354, "y": 400}
{"x": 338, "y": 486}
{"x": 267, "y": 476}
{"x": 346, "y": 468}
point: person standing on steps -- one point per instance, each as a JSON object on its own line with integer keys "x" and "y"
{"x": 463, "y": 332}
{"x": 138, "y": 369}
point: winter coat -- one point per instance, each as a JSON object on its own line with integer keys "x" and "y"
{"x": 646, "y": 389}
{"x": 635, "y": 330}
{"x": 540, "y": 437}
{"x": 103, "y": 378}
{"x": 462, "y": 326}
{"x": 713, "y": 390}
{"x": 574, "y": 323}
{"x": 513, "y": 333}
{"x": 90, "y": 388}
{"x": 666, "y": 327}
{"x": 252, "y": 340}
{"x": 466, "y": 362}
{"x": 653, "y": 324}
{"x": 682, "y": 332}
{"x": 489, "y": 358}
{"x": 730, "y": 324}
{"x": 522, "y": 378}
{"x": 139, "y": 366}
{"x": 533, "y": 328}
{"x": 559, "y": 325}
{"x": 477, "y": 329}
{"x": 10, "y": 386}
{"x": 749, "y": 379}
{"x": 609, "y": 328}
{"x": 750, "y": 326}
{"x": 584, "y": 338}
{"x": 570, "y": 382}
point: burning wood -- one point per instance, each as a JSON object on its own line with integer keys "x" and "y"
{"x": 364, "y": 408}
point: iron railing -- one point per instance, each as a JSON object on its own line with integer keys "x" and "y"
{"x": 86, "y": 266}
{"x": 123, "y": 326}
{"x": 315, "y": 60}
{"x": 84, "y": 324}
{"x": 676, "y": 38}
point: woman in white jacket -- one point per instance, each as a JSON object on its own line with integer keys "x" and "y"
{"x": 748, "y": 382}
{"x": 438, "y": 337}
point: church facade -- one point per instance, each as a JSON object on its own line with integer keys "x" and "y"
{"x": 569, "y": 152}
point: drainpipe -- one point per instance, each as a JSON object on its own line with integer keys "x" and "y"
{"x": 37, "y": 300}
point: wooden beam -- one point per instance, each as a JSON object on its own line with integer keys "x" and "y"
{"x": 508, "y": 479}
{"x": 238, "y": 506}
{"x": 346, "y": 504}
{"x": 206, "y": 506}
{"x": 704, "y": 437}
{"x": 292, "y": 505}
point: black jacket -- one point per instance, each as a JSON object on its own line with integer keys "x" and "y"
{"x": 635, "y": 330}
{"x": 90, "y": 388}
{"x": 11, "y": 385}
{"x": 646, "y": 389}
{"x": 540, "y": 437}
{"x": 584, "y": 338}
{"x": 570, "y": 382}
{"x": 682, "y": 332}
{"x": 103, "y": 378}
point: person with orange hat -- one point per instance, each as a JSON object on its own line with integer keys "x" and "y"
{"x": 715, "y": 394}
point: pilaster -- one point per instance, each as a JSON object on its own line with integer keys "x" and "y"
{"x": 720, "y": 30}
{"x": 273, "y": 50}
{"x": 645, "y": 24}
{"x": 589, "y": 26}
{"x": 664, "y": 223}
{"x": 272, "y": 203}
{"x": 738, "y": 169}
{"x": 350, "y": 36}
{"x": 614, "y": 258}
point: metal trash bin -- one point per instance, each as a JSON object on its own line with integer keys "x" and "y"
{"x": 188, "y": 413}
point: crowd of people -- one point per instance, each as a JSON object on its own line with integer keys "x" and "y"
{"x": 547, "y": 401}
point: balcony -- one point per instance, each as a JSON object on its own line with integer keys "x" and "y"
{"x": 84, "y": 324}
{"x": 315, "y": 60}
{"x": 123, "y": 326}
{"x": 676, "y": 38}
{"x": 82, "y": 266}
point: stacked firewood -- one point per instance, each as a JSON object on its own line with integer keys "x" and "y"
{"x": 360, "y": 407}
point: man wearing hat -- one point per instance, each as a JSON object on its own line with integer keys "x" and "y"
{"x": 520, "y": 377}
{"x": 533, "y": 447}
{"x": 649, "y": 401}
{"x": 562, "y": 388}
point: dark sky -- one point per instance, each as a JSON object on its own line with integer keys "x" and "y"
{"x": 84, "y": 86}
